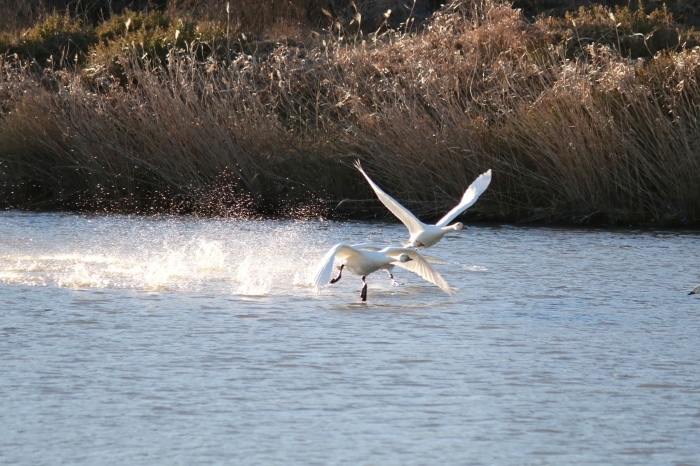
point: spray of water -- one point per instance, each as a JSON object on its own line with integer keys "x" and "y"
{"x": 210, "y": 256}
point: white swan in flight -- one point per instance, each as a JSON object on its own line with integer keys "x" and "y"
{"x": 367, "y": 260}
{"x": 424, "y": 235}
{"x": 695, "y": 290}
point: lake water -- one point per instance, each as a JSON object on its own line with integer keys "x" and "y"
{"x": 147, "y": 341}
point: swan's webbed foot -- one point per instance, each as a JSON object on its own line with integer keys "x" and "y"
{"x": 393, "y": 282}
{"x": 340, "y": 274}
{"x": 363, "y": 293}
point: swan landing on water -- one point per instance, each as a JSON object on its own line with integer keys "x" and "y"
{"x": 364, "y": 261}
{"x": 694, "y": 290}
{"x": 424, "y": 235}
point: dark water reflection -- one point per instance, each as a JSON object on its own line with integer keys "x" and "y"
{"x": 147, "y": 341}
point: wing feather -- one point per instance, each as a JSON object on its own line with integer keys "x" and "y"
{"x": 412, "y": 223}
{"x": 420, "y": 267}
{"x": 366, "y": 246}
{"x": 433, "y": 259}
{"x": 470, "y": 196}
{"x": 325, "y": 267}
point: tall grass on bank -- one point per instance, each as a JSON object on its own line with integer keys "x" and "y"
{"x": 593, "y": 137}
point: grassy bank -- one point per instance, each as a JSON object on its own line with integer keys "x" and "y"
{"x": 591, "y": 116}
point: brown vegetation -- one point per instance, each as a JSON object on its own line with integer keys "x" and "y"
{"x": 589, "y": 117}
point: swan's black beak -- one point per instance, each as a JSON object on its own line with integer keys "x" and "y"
{"x": 692, "y": 292}
{"x": 408, "y": 258}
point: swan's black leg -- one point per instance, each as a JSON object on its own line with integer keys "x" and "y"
{"x": 340, "y": 274}
{"x": 393, "y": 281}
{"x": 363, "y": 293}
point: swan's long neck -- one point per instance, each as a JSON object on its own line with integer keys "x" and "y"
{"x": 454, "y": 226}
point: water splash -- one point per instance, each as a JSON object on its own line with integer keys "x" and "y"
{"x": 254, "y": 281}
{"x": 216, "y": 257}
{"x": 81, "y": 277}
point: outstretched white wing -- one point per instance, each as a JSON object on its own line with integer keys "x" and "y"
{"x": 366, "y": 246}
{"x": 433, "y": 259}
{"x": 470, "y": 196}
{"x": 412, "y": 223}
{"x": 325, "y": 267}
{"x": 370, "y": 247}
{"x": 420, "y": 267}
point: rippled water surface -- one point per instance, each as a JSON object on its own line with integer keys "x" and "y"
{"x": 190, "y": 341}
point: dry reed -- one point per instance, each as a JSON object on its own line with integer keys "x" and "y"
{"x": 596, "y": 138}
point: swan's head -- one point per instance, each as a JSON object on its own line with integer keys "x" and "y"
{"x": 415, "y": 244}
{"x": 458, "y": 226}
{"x": 404, "y": 258}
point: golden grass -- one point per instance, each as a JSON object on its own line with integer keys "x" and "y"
{"x": 597, "y": 137}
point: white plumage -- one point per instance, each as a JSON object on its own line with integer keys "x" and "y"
{"x": 424, "y": 235}
{"x": 365, "y": 260}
